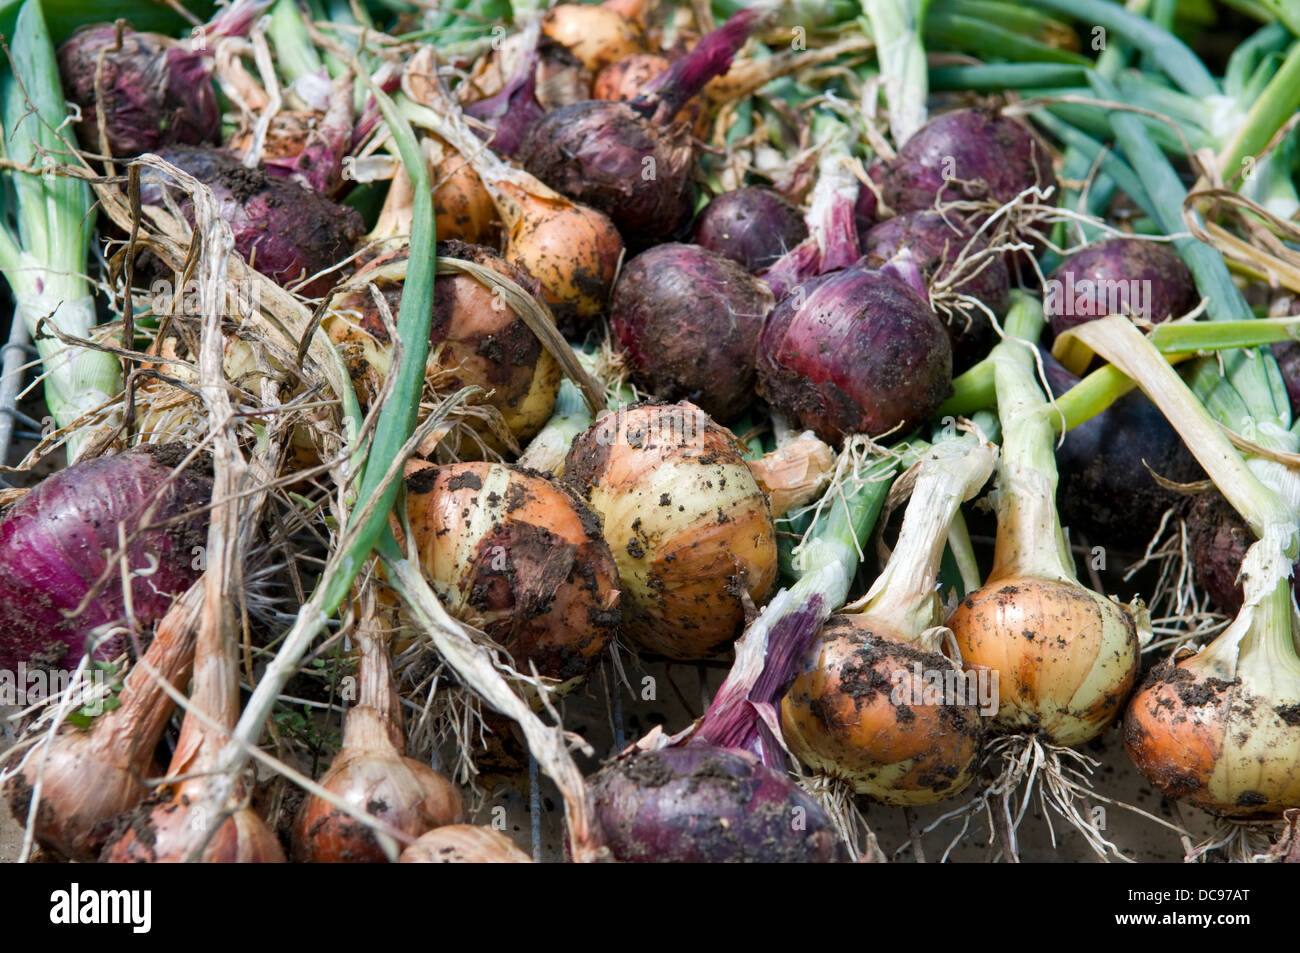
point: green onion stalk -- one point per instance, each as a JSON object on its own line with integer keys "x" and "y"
{"x": 896, "y": 26}
{"x": 46, "y": 230}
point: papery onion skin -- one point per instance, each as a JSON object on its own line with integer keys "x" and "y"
{"x": 625, "y": 78}
{"x": 610, "y": 157}
{"x": 1111, "y": 268}
{"x": 404, "y": 793}
{"x": 170, "y": 833}
{"x": 464, "y": 844}
{"x": 700, "y": 804}
{"x": 283, "y": 229}
{"x": 689, "y": 528}
{"x": 1066, "y": 657}
{"x": 752, "y": 226}
{"x": 966, "y": 154}
{"x": 688, "y": 322}
{"x": 935, "y": 242}
{"x": 840, "y": 716}
{"x": 155, "y": 90}
{"x": 1227, "y": 746}
{"x": 53, "y": 543}
{"x": 520, "y": 557}
{"x": 474, "y": 339}
{"x": 855, "y": 351}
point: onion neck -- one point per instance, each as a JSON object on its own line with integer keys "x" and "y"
{"x": 375, "y": 722}
{"x": 1030, "y": 540}
{"x": 903, "y": 596}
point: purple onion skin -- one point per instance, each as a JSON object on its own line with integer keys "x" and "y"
{"x": 1166, "y": 290}
{"x": 985, "y": 155}
{"x": 156, "y": 91}
{"x": 513, "y": 110}
{"x": 1217, "y": 540}
{"x": 751, "y": 226}
{"x": 697, "y": 803}
{"x": 855, "y": 351}
{"x": 1105, "y": 491}
{"x": 1288, "y": 362}
{"x": 52, "y": 551}
{"x": 610, "y": 157}
{"x": 688, "y": 322}
{"x": 286, "y": 230}
{"x": 865, "y": 209}
{"x": 935, "y": 242}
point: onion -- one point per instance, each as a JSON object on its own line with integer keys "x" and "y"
{"x": 56, "y": 543}
{"x": 155, "y": 90}
{"x": 698, "y": 803}
{"x": 372, "y": 774}
{"x": 464, "y": 844}
{"x": 967, "y": 154}
{"x": 286, "y": 231}
{"x": 864, "y": 708}
{"x": 1221, "y": 728}
{"x": 624, "y": 78}
{"x": 1144, "y": 279}
{"x": 1066, "y": 656}
{"x": 596, "y": 35}
{"x": 474, "y": 337}
{"x": 1106, "y": 488}
{"x": 89, "y": 777}
{"x": 855, "y": 351}
{"x": 520, "y": 558}
{"x": 938, "y": 244}
{"x": 1288, "y": 363}
{"x": 688, "y": 322}
{"x": 689, "y": 528}
{"x": 1217, "y": 541}
{"x": 621, "y": 158}
{"x": 751, "y": 226}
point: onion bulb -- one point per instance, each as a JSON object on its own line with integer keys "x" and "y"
{"x": 371, "y": 773}
{"x": 474, "y": 337}
{"x": 877, "y": 703}
{"x": 689, "y": 528}
{"x": 464, "y": 844}
{"x": 520, "y": 558}
{"x": 595, "y": 35}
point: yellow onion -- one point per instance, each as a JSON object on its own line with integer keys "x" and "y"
{"x": 520, "y": 558}
{"x": 688, "y": 525}
{"x": 474, "y": 337}
{"x": 371, "y": 774}
{"x": 596, "y": 35}
{"x": 464, "y": 844}
{"x": 876, "y": 703}
{"x": 1221, "y": 728}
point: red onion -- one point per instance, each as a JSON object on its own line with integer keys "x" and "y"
{"x": 56, "y": 541}
{"x": 855, "y": 351}
{"x": 751, "y": 226}
{"x": 1119, "y": 276}
{"x": 688, "y": 322}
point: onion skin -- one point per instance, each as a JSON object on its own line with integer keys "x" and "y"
{"x": 156, "y": 91}
{"x": 520, "y": 557}
{"x": 1189, "y": 731}
{"x": 688, "y": 322}
{"x": 462, "y": 208}
{"x": 966, "y": 154}
{"x": 689, "y": 528}
{"x": 612, "y": 158}
{"x": 701, "y": 804}
{"x": 1066, "y": 657}
{"x": 372, "y": 775}
{"x": 625, "y": 78}
{"x": 474, "y": 339}
{"x": 573, "y": 251}
{"x": 751, "y": 226}
{"x": 855, "y": 351}
{"x": 935, "y": 242}
{"x": 839, "y": 717}
{"x": 1217, "y": 539}
{"x": 1170, "y": 291}
{"x": 168, "y": 834}
{"x": 284, "y": 230}
{"x": 1104, "y": 488}
{"x": 464, "y": 844}
{"x": 1288, "y": 362}
{"x": 595, "y": 35}
{"x": 52, "y": 544}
